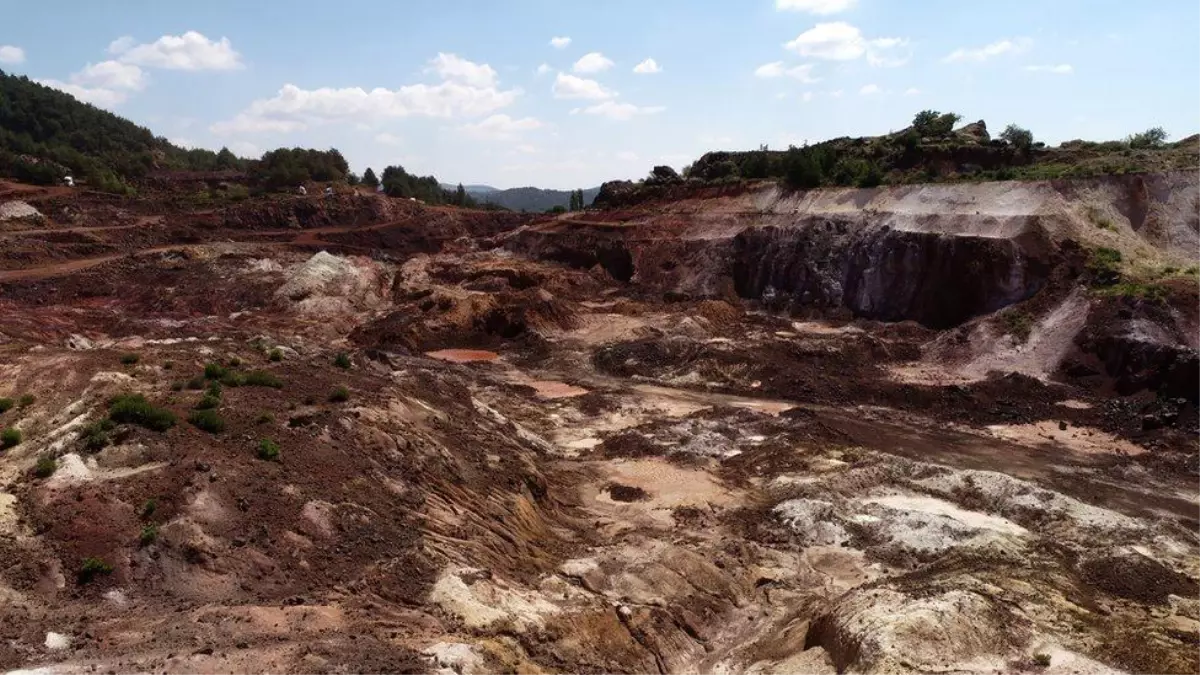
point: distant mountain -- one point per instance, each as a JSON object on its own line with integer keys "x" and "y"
{"x": 533, "y": 199}
{"x": 471, "y": 189}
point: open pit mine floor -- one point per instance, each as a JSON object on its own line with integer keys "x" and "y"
{"x": 730, "y": 434}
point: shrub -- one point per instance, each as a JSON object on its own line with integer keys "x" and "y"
{"x": 340, "y": 395}
{"x": 177, "y": 386}
{"x": 209, "y": 402}
{"x": 1041, "y": 660}
{"x": 10, "y": 438}
{"x": 6, "y": 404}
{"x": 130, "y": 359}
{"x": 1154, "y": 137}
{"x": 95, "y": 435}
{"x": 26, "y": 400}
{"x": 207, "y": 420}
{"x": 261, "y": 378}
{"x": 1104, "y": 264}
{"x": 232, "y": 378}
{"x": 196, "y": 383}
{"x": 46, "y": 466}
{"x": 214, "y": 389}
{"x": 135, "y": 409}
{"x": 148, "y": 535}
{"x": 149, "y": 507}
{"x": 265, "y": 418}
{"x": 92, "y": 567}
{"x": 342, "y": 360}
{"x": 275, "y": 355}
{"x": 268, "y": 450}
{"x": 167, "y": 365}
{"x": 234, "y": 362}
{"x": 1018, "y": 324}
{"x": 214, "y": 371}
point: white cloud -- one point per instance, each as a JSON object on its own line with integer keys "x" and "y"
{"x": 569, "y": 86}
{"x": 988, "y": 51}
{"x": 121, "y": 44}
{"x": 11, "y": 55}
{"x": 111, "y": 75}
{"x": 543, "y": 69}
{"x": 647, "y": 67}
{"x": 560, "y": 42}
{"x": 620, "y": 112}
{"x": 815, "y": 6}
{"x": 1061, "y": 69}
{"x": 802, "y": 72}
{"x": 293, "y": 108}
{"x": 592, "y": 62}
{"x": 388, "y": 138}
{"x": 454, "y": 67}
{"x": 245, "y": 149}
{"x": 627, "y": 156}
{"x": 185, "y": 143}
{"x": 500, "y": 127}
{"x": 911, "y": 91}
{"x": 98, "y": 96}
{"x": 869, "y": 89}
{"x": 190, "y": 51}
{"x": 840, "y": 41}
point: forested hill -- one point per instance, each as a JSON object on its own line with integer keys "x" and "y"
{"x": 46, "y": 134}
{"x": 534, "y": 200}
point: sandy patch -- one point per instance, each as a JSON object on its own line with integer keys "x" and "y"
{"x": 1083, "y": 440}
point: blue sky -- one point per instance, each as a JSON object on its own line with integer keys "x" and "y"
{"x": 476, "y": 91}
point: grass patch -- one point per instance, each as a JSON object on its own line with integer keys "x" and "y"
{"x": 275, "y": 355}
{"x": 261, "y": 378}
{"x": 1041, "y": 660}
{"x": 10, "y": 438}
{"x": 91, "y": 568}
{"x": 149, "y": 534}
{"x": 95, "y": 435}
{"x": 149, "y": 507}
{"x": 177, "y": 386}
{"x": 1017, "y": 323}
{"x": 268, "y": 450}
{"x": 1100, "y": 219}
{"x": 234, "y": 362}
{"x": 214, "y": 371}
{"x": 6, "y": 404}
{"x": 232, "y": 378}
{"x": 130, "y": 359}
{"x": 135, "y": 409}
{"x": 340, "y": 395}
{"x": 342, "y": 360}
{"x": 1104, "y": 264}
{"x": 1148, "y": 291}
{"x": 46, "y": 466}
{"x": 196, "y": 383}
{"x": 265, "y": 418}
{"x": 26, "y": 400}
{"x": 207, "y": 420}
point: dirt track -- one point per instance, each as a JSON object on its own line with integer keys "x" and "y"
{"x": 567, "y": 446}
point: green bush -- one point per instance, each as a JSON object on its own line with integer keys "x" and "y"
{"x": 135, "y": 409}
{"x": 46, "y": 466}
{"x": 130, "y": 359}
{"x": 196, "y": 383}
{"x": 149, "y": 507}
{"x": 167, "y": 365}
{"x": 232, "y": 378}
{"x": 214, "y": 371}
{"x": 92, "y": 567}
{"x": 26, "y": 400}
{"x": 340, "y": 395}
{"x": 268, "y": 450}
{"x": 261, "y": 378}
{"x": 209, "y": 402}
{"x": 1017, "y": 323}
{"x": 275, "y": 355}
{"x": 6, "y": 404}
{"x": 10, "y": 438}
{"x": 342, "y": 360}
{"x": 1041, "y": 660}
{"x": 1104, "y": 264}
{"x": 95, "y": 435}
{"x": 234, "y": 362}
{"x": 207, "y": 420}
{"x": 148, "y": 535}
{"x": 265, "y": 418}
{"x": 177, "y": 386}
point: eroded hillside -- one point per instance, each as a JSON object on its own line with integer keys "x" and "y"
{"x": 918, "y": 428}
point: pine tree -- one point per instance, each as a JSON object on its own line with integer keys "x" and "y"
{"x": 460, "y": 196}
{"x": 369, "y": 179}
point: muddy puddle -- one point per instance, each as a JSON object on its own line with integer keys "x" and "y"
{"x": 463, "y": 355}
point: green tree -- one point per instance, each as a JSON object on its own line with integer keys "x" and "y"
{"x": 1019, "y": 138}
{"x": 369, "y": 179}
{"x": 933, "y": 123}
{"x": 352, "y": 179}
{"x": 460, "y": 195}
{"x": 227, "y": 160}
{"x": 1154, "y": 137}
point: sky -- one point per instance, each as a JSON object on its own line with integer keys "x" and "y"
{"x": 570, "y": 93}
